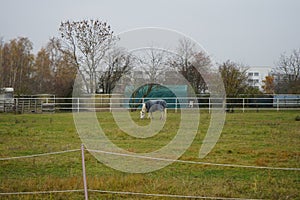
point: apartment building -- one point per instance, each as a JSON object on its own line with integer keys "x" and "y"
{"x": 257, "y": 74}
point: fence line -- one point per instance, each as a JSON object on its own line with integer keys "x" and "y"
{"x": 153, "y": 158}
{"x": 38, "y": 155}
{"x": 195, "y": 162}
{"x": 121, "y": 193}
{"x": 40, "y": 192}
{"x": 40, "y": 104}
{"x": 85, "y": 190}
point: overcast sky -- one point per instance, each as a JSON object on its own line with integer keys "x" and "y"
{"x": 252, "y": 32}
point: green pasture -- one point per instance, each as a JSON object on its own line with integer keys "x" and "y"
{"x": 265, "y": 138}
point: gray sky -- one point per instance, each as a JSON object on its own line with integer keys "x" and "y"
{"x": 252, "y": 32}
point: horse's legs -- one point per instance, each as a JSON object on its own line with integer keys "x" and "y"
{"x": 162, "y": 115}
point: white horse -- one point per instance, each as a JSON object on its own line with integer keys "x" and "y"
{"x": 152, "y": 106}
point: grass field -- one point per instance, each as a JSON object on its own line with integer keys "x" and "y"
{"x": 266, "y": 138}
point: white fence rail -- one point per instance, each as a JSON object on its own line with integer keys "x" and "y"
{"x": 107, "y": 103}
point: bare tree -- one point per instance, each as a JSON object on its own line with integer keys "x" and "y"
{"x": 87, "y": 42}
{"x": 116, "y": 63}
{"x": 190, "y": 62}
{"x": 287, "y": 72}
{"x": 153, "y": 63}
{"x": 150, "y": 66}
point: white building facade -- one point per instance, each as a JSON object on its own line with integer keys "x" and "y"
{"x": 256, "y": 75}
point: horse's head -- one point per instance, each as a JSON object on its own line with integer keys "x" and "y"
{"x": 143, "y": 111}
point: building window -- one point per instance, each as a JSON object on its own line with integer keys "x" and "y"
{"x": 253, "y": 81}
{"x": 256, "y": 74}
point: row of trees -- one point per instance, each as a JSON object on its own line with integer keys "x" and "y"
{"x": 89, "y": 47}
{"x": 50, "y": 71}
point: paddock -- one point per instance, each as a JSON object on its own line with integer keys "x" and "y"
{"x": 41, "y": 158}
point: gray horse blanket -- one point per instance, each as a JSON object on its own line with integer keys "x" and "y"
{"x": 154, "y": 105}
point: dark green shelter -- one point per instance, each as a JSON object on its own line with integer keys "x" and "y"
{"x": 174, "y": 95}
